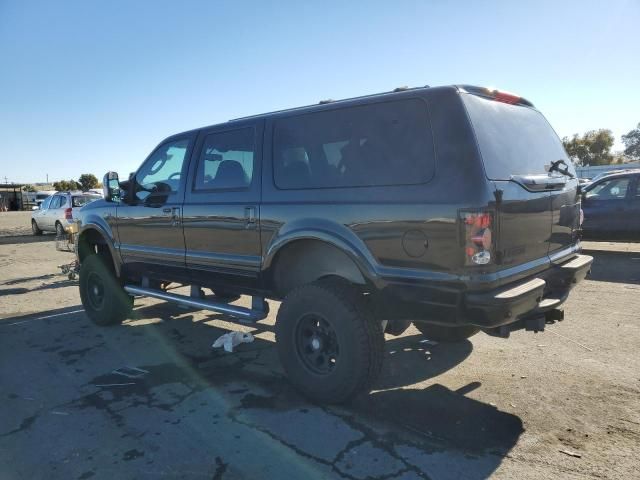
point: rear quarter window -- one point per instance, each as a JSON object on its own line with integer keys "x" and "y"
{"x": 82, "y": 200}
{"x": 386, "y": 143}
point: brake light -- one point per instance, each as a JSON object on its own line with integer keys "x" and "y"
{"x": 68, "y": 214}
{"x": 477, "y": 237}
{"x": 506, "y": 97}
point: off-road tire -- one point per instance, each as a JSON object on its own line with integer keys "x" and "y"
{"x": 225, "y": 295}
{"x": 35, "y": 229}
{"x": 446, "y": 334}
{"x": 113, "y": 305}
{"x": 358, "y": 335}
{"x": 397, "y": 327}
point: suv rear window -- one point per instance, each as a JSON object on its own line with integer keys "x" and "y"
{"x": 82, "y": 200}
{"x": 378, "y": 144}
{"x": 513, "y": 139}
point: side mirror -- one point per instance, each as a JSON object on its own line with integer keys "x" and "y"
{"x": 111, "y": 187}
{"x": 35, "y": 207}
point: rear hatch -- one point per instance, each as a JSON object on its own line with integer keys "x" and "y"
{"x": 538, "y": 212}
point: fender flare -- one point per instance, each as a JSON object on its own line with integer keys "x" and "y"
{"x": 360, "y": 256}
{"x": 108, "y": 240}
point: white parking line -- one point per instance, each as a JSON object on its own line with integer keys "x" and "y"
{"x": 43, "y": 318}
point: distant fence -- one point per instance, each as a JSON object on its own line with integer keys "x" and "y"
{"x": 590, "y": 172}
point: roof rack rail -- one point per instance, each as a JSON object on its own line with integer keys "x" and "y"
{"x": 325, "y": 102}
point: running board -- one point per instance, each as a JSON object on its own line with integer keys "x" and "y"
{"x": 259, "y": 310}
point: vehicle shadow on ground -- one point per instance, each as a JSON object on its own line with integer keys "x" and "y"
{"x": 21, "y": 239}
{"x": 617, "y": 267}
{"x": 433, "y": 432}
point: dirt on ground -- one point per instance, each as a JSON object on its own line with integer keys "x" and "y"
{"x": 560, "y": 404}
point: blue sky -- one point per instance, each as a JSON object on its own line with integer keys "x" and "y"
{"x": 88, "y": 86}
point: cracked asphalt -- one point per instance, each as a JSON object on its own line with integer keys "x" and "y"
{"x": 485, "y": 408}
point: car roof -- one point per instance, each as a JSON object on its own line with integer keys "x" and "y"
{"x": 617, "y": 173}
{"x": 330, "y": 104}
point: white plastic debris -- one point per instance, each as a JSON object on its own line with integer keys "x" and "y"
{"x": 231, "y": 339}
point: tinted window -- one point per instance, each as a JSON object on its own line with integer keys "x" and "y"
{"x": 46, "y": 203}
{"x": 63, "y": 201}
{"x": 615, "y": 188}
{"x": 226, "y": 160}
{"x": 82, "y": 200}
{"x": 513, "y": 139}
{"x": 160, "y": 174}
{"x": 378, "y": 144}
{"x": 55, "y": 202}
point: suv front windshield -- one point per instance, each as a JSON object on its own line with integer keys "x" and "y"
{"x": 513, "y": 139}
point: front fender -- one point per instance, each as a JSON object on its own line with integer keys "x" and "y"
{"x": 100, "y": 225}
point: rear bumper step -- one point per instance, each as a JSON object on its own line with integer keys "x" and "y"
{"x": 527, "y": 300}
{"x": 259, "y": 310}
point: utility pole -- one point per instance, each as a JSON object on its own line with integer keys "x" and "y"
{"x": 5, "y": 180}
{"x": 47, "y": 179}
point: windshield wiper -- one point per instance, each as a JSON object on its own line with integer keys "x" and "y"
{"x": 555, "y": 167}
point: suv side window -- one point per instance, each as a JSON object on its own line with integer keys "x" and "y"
{"x": 615, "y": 188}
{"x": 46, "y": 203}
{"x": 55, "y": 202}
{"x": 226, "y": 161}
{"x": 385, "y": 143}
{"x": 63, "y": 201}
{"x": 160, "y": 174}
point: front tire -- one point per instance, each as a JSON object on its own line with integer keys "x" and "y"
{"x": 103, "y": 298}
{"x": 35, "y": 229}
{"x": 446, "y": 334}
{"x": 328, "y": 342}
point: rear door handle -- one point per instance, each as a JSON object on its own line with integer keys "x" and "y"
{"x": 167, "y": 210}
{"x": 175, "y": 216}
{"x": 250, "y": 217}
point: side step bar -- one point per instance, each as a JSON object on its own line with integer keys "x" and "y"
{"x": 258, "y": 311}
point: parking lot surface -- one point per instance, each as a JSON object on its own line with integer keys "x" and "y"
{"x": 152, "y": 399}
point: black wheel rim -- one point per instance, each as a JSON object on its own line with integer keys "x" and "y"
{"x": 95, "y": 291}
{"x": 317, "y": 344}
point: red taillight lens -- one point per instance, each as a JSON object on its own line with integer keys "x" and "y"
{"x": 506, "y": 98}
{"x": 477, "y": 237}
{"x": 68, "y": 214}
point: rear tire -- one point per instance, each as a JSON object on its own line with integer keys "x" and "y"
{"x": 103, "y": 298}
{"x": 225, "y": 296}
{"x": 59, "y": 230}
{"x": 446, "y": 334}
{"x": 35, "y": 229}
{"x": 329, "y": 343}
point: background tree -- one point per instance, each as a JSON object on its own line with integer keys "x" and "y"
{"x": 65, "y": 185}
{"x": 632, "y": 143}
{"x": 28, "y": 188}
{"x": 88, "y": 181}
{"x": 592, "y": 148}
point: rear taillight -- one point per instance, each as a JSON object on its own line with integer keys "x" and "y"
{"x": 68, "y": 214}
{"x": 477, "y": 237}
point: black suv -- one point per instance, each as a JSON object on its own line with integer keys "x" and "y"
{"x": 455, "y": 208}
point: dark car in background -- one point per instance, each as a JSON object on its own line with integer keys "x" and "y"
{"x": 611, "y": 206}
